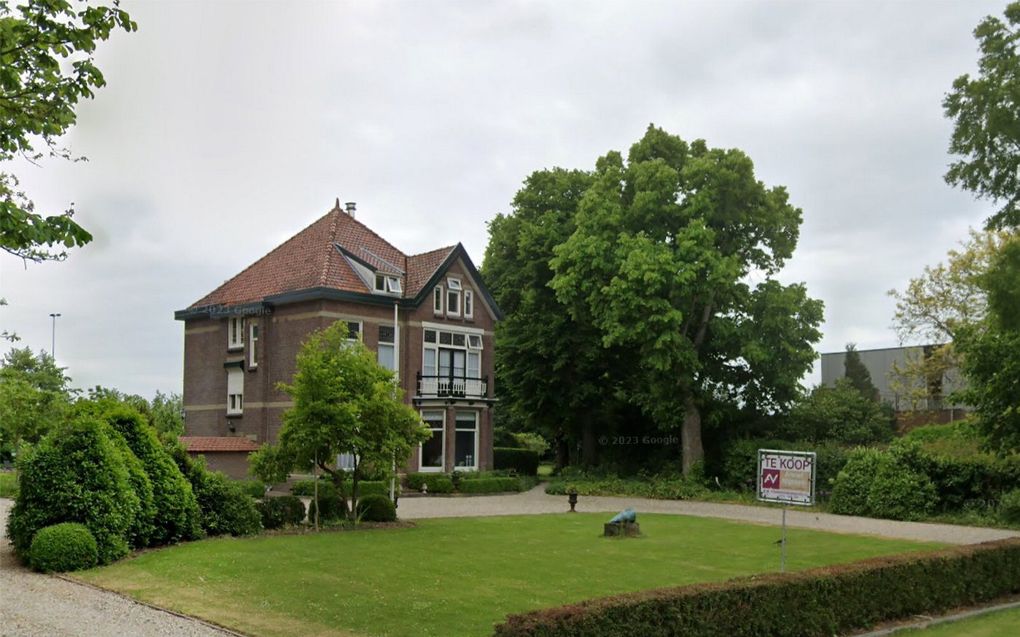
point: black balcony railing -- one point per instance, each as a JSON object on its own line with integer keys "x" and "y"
{"x": 452, "y": 386}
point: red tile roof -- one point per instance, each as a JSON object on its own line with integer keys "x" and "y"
{"x": 310, "y": 259}
{"x": 204, "y": 444}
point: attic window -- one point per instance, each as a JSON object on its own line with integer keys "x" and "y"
{"x": 387, "y": 283}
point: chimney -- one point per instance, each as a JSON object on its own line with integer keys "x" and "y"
{"x": 350, "y": 207}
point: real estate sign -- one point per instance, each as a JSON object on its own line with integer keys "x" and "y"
{"x": 787, "y": 477}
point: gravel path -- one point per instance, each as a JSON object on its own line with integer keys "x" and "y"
{"x": 41, "y": 605}
{"x": 536, "y": 501}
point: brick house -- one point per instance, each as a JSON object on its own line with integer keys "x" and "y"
{"x": 428, "y": 316}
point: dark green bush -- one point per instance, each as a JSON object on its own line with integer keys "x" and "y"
{"x": 365, "y": 487}
{"x": 489, "y": 485}
{"x": 376, "y": 508}
{"x": 225, "y": 507}
{"x": 75, "y": 474}
{"x": 281, "y": 511}
{"x": 524, "y": 461}
{"x": 178, "y": 515}
{"x": 883, "y": 484}
{"x": 332, "y": 507}
{"x": 437, "y": 482}
{"x": 853, "y": 484}
{"x": 833, "y": 600}
{"x": 63, "y": 547}
{"x": 1009, "y": 507}
{"x": 253, "y": 488}
{"x": 307, "y": 487}
{"x": 143, "y": 527}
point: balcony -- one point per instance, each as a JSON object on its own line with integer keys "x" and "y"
{"x": 449, "y": 386}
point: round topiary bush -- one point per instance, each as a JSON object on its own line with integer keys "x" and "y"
{"x": 376, "y": 508}
{"x": 68, "y": 546}
{"x": 1009, "y": 507}
{"x": 75, "y": 474}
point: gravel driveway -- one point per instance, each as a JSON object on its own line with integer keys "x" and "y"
{"x": 41, "y": 605}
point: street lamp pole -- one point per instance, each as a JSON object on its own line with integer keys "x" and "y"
{"x": 53, "y": 336}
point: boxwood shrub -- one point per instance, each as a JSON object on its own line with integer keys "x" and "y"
{"x": 489, "y": 485}
{"x": 75, "y": 474}
{"x": 63, "y": 547}
{"x": 524, "y": 461}
{"x": 376, "y": 508}
{"x": 436, "y": 482}
{"x": 821, "y": 602}
{"x": 281, "y": 511}
{"x": 365, "y": 487}
{"x": 179, "y": 517}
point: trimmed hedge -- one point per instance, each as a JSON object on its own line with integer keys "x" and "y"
{"x": 437, "y": 482}
{"x": 376, "y": 508}
{"x": 489, "y": 485}
{"x": 75, "y": 474}
{"x": 365, "y": 487}
{"x": 281, "y": 511}
{"x": 524, "y": 461}
{"x": 817, "y": 603}
{"x": 63, "y": 547}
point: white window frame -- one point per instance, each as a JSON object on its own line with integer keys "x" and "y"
{"x": 235, "y": 332}
{"x": 253, "y": 341}
{"x": 473, "y": 429}
{"x": 387, "y": 283}
{"x": 235, "y": 392}
{"x": 442, "y": 428}
{"x": 391, "y": 344}
{"x": 438, "y": 300}
{"x": 469, "y": 304}
{"x": 453, "y": 292}
{"x": 432, "y": 384}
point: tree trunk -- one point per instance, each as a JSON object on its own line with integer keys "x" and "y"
{"x": 589, "y": 448}
{"x": 690, "y": 436}
{"x": 562, "y": 450}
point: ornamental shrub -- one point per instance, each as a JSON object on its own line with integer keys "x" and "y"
{"x": 63, "y": 547}
{"x": 376, "y": 508}
{"x": 144, "y": 525}
{"x": 281, "y": 511}
{"x": 178, "y": 516}
{"x": 489, "y": 485}
{"x": 225, "y": 507}
{"x": 330, "y": 507}
{"x": 437, "y": 482}
{"x": 524, "y": 461}
{"x": 75, "y": 474}
{"x": 853, "y": 484}
{"x": 1009, "y": 507}
{"x": 254, "y": 488}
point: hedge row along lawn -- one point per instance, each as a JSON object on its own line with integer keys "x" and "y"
{"x": 455, "y": 576}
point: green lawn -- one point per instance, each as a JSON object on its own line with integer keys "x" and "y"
{"x": 8, "y": 484}
{"x": 1005, "y": 623}
{"x": 454, "y": 576}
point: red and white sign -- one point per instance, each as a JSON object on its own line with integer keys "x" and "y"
{"x": 787, "y": 477}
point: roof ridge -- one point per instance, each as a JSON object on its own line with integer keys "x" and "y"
{"x": 421, "y": 254}
{"x": 332, "y": 241}
{"x": 264, "y": 256}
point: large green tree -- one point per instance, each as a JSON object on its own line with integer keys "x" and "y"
{"x": 554, "y": 374}
{"x": 344, "y": 402}
{"x": 662, "y": 260}
{"x": 991, "y": 354}
{"x": 858, "y": 375}
{"x": 47, "y": 66}
{"x": 35, "y": 397}
{"x": 986, "y": 114}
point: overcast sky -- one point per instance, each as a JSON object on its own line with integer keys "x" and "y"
{"x": 227, "y": 127}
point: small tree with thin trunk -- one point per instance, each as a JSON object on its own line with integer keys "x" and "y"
{"x": 344, "y": 403}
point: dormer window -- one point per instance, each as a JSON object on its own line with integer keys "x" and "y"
{"x": 453, "y": 297}
{"x": 387, "y": 283}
